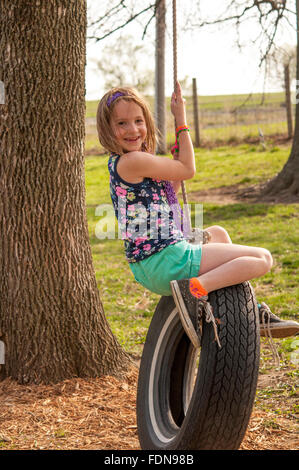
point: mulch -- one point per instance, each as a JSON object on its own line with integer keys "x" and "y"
{"x": 100, "y": 414}
{"x": 74, "y": 414}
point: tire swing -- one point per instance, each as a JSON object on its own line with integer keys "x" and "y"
{"x": 196, "y": 399}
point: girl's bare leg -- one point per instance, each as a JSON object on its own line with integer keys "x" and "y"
{"x": 250, "y": 262}
{"x": 218, "y": 234}
{"x": 227, "y": 264}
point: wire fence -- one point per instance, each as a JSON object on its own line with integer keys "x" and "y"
{"x": 222, "y": 120}
{"x": 228, "y": 120}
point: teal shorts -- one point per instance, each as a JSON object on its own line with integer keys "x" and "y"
{"x": 178, "y": 261}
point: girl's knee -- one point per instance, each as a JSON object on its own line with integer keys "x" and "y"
{"x": 267, "y": 258}
{"x": 219, "y": 234}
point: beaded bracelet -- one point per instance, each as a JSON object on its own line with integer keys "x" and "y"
{"x": 175, "y": 148}
{"x": 181, "y": 128}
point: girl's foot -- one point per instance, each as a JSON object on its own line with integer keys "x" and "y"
{"x": 187, "y": 306}
{"x": 271, "y": 325}
{"x": 192, "y": 304}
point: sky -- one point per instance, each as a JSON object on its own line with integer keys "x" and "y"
{"x": 211, "y": 56}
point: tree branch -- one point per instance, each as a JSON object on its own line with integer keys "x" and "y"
{"x": 239, "y": 12}
{"x": 113, "y": 12}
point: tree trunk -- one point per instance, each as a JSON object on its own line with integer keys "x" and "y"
{"x": 160, "y": 109}
{"x": 285, "y": 186}
{"x": 51, "y": 318}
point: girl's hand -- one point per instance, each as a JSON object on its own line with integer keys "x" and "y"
{"x": 178, "y": 106}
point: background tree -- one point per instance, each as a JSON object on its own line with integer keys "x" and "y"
{"x": 271, "y": 16}
{"x": 277, "y": 60}
{"x": 51, "y": 317}
{"x": 281, "y": 69}
{"x": 286, "y": 183}
{"x": 125, "y": 63}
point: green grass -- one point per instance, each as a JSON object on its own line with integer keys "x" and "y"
{"x": 129, "y": 307}
{"x": 242, "y": 165}
{"x": 224, "y": 166}
{"x": 272, "y": 227}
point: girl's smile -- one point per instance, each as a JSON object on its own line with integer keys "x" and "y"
{"x": 128, "y": 125}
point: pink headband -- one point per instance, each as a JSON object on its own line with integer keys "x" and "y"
{"x": 114, "y": 96}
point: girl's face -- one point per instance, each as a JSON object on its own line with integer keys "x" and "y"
{"x": 129, "y": 125}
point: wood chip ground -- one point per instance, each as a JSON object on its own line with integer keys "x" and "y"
{"x": 101, "y": 414}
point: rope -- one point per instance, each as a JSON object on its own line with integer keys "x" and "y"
{"x": 174, "y": 46}
{"x": 269, "y": 337}
{"x": 175, "y": 74}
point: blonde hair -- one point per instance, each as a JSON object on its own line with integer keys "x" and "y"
{"x": 104, "y": 113}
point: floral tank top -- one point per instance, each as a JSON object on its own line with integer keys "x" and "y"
{"x": 145, "y": 219}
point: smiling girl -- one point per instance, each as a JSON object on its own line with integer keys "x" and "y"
{"x": 169, "y": 264}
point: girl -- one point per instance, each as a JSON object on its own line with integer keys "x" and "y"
{"x": 158, "y": 253}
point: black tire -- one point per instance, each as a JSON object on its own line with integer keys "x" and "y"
{"x": 172, "y": 414}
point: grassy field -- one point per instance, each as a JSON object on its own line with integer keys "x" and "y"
{"x": 129, "y": 307}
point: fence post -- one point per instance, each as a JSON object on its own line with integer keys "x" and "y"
{"x": 288, "y": 99}
{"x": 195, "y": 113}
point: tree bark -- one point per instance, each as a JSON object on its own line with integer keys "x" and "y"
{"x": 52, "y": 321}
{"x": 160, "y": 109}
